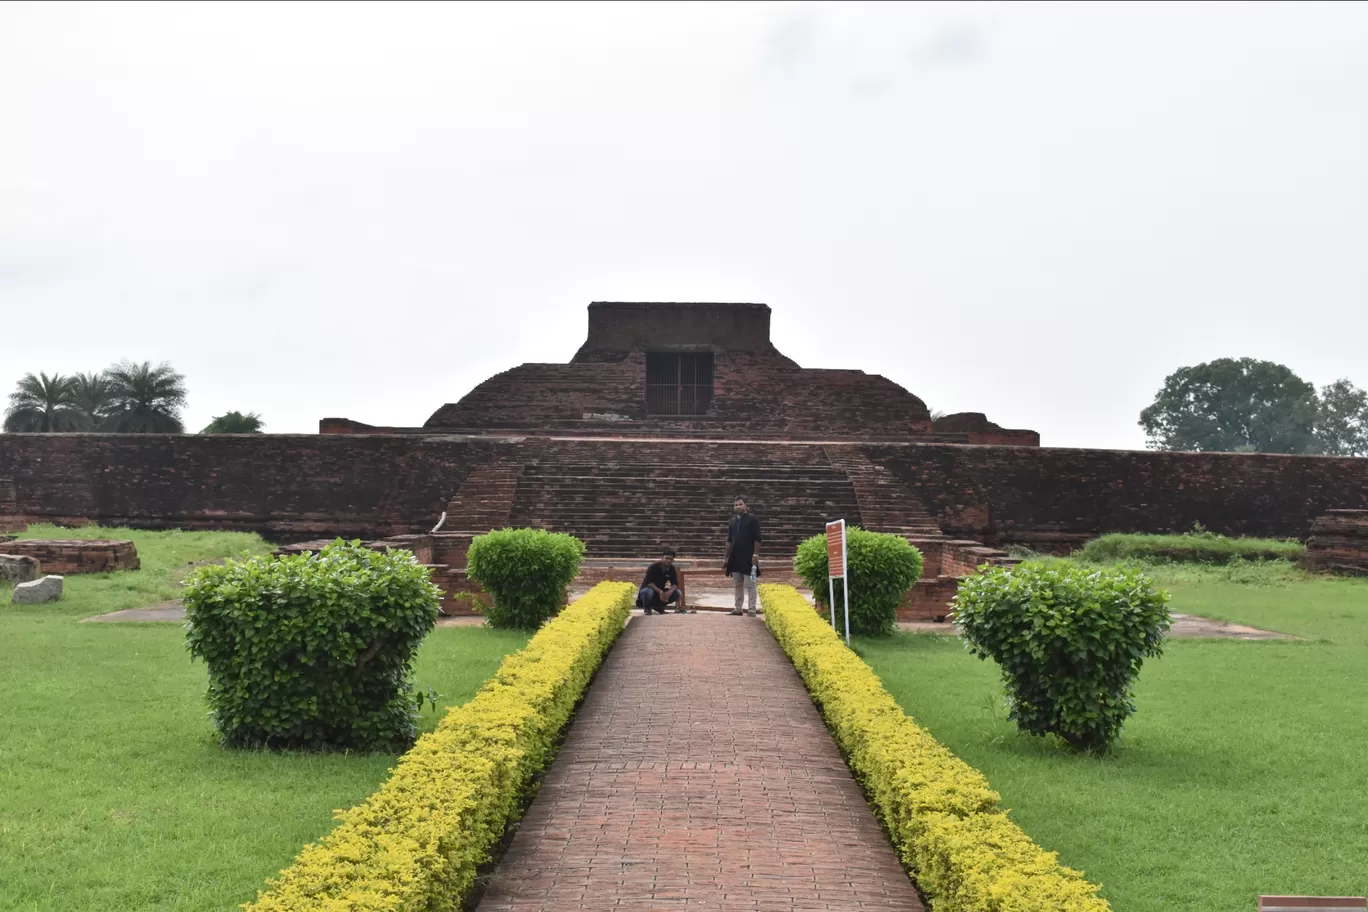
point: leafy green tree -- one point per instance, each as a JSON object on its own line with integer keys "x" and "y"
{"x": 92, "y": 394}
{"x": 1342, "y": 425}
{"x": 42, "y": 404}
{"x": 145, "y": 399}
{"x": 235, "y": 423}
{"x": 1233, "y": 405}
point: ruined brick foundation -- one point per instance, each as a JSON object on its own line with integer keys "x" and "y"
{"x": 1339, "y": 543}
{"x": 67, "y": 556}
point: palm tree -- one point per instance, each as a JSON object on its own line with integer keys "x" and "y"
{"x": 145, "y": 399}
{"x": 92, "y": 394}
{"x": 235, "y": 423}
{"x": 43, "y": 404}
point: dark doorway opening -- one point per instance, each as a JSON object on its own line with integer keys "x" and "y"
{"x": 679, "y": 383}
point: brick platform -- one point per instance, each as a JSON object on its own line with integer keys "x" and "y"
{"x": 698, "y": 774}
{"x": 1339, "y": 543}
{"x": 68, "y": 556}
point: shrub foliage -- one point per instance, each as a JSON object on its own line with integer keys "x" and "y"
{"x": 882, "y": 567}
{"x": 313, "y": 650}
{"x": 1193, "y": 547}
{"x": 943, "y": 818}
{"x": 527, "y": 571}
{"x": 1069, "y": 641}
{"x": 418, "y": 842}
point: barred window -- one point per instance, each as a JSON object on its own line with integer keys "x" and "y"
{"x": 679, "y": 383}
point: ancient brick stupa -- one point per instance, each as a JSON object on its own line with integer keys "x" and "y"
{"x": 664, "y": 414}
{"x": 667, "y": 412}
{"x": 695, "y": 370}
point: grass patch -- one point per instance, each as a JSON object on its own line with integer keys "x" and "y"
{"x": 167, "y": 557}
{"x": 1241, "y": 772}
{"x": 1199, "y": 548}
{"x": 114, "y": 793}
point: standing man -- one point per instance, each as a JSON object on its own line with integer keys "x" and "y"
{"x": 743, "y": 537}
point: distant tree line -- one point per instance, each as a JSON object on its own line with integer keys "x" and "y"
{"x": 128, "y": 398}
{"x": 1242, "y": 405}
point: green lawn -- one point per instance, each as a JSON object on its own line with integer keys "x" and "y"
{"x": 1243, "y": 772}
{"x": 114, "y": 794}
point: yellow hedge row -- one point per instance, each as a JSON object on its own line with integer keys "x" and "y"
{"x": 416, "y": 843}
{"x": 945, "y": 820}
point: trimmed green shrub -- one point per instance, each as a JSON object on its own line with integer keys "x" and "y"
{"x": 882, "y": 567}
{"x": 1069, "y": 641}
{"x": 1194, "y": 547}
{"x": 313, "y": 650}
{"x": 527, "y": 571}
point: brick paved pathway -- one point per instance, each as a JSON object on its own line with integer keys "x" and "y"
{"x": 699, "y": 775}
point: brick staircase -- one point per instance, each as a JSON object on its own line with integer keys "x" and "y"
{"x": 484, "y": 499}
{"x": 625, "y": 499}
{"x": 885, "y": 503}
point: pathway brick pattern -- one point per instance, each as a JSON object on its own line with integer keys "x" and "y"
{"x": 698, "y": 775}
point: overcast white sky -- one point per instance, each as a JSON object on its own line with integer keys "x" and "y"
{"x": 1031, "y": 210}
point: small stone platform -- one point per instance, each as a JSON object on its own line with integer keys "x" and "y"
{"x": 66, "y": 556}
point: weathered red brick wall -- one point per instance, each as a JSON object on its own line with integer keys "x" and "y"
{"x": 945, "y": 561}
{"x": 1043, "y": 496}
{"x": 293, "y": 488}
{"x": 962, "y": 558}
{"x": 928, "y": 599}
{"x": 289, "y": 488}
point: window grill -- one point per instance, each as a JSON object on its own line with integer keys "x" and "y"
{"x": 679, "y": 383}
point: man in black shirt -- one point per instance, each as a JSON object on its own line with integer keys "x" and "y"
{"x": 742, "y": 562}
{"x": 663, "y": 585}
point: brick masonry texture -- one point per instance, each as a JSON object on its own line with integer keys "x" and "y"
{"x": 1049, "y": 498}
{"x": 698, "y": 774}
{"x": 1339, "y": 543}
{"x": 290, "y": 488}
{"x": 757, "y": 391}
{"x": 295, "y": 488}
{"x": 67, "y": 556}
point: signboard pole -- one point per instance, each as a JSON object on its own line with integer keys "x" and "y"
{"x": 831, "y": 600}
{"x": 845, "y": 582}
{"x": 836, "y": 566}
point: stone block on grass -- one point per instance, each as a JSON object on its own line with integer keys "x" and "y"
{"x": 19, "y": 568}
{"x": 35, "y": 592}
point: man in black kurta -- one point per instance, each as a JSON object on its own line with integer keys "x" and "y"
{"x": 743, "y": 557}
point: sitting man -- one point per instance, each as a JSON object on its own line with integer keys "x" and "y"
{"x": 662, "y": 585}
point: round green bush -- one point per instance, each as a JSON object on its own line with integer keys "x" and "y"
{"x": 882, "y": 567}
{"x": 1069, "y": 641}
{"x": 313, "y": 650}
{"x": 527, "y": 571}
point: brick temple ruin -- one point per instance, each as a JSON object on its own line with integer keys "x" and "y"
{"x": 669, "y": 410}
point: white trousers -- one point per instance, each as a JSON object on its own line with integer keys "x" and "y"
{"x": 744, "y": 586}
